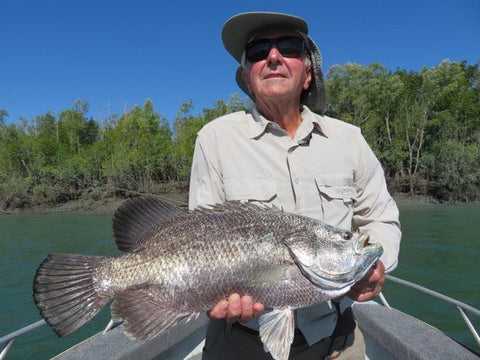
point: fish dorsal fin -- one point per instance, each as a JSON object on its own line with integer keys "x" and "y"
{"x": 136, "y": 218}
{"x": 277, "y": 329}
{"x": 235, "y": 206}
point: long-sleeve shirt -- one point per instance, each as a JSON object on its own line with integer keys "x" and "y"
{"x": 327, "y": 171}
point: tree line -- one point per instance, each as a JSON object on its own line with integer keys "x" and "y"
{"x": 423, "y": 126}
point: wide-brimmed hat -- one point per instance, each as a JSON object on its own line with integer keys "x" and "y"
{"x": 239, "y": 29}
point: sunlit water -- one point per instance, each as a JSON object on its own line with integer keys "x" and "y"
{"x": 440, "y": 250}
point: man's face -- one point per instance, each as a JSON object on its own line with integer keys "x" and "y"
{"x": 277, "y": 77}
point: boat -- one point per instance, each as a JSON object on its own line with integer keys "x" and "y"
{"x": 389, "y": 335}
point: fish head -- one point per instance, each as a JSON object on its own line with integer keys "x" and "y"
{"x": 339, "y": 258}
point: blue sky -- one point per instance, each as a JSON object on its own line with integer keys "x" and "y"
{"x": 115, "y": 54}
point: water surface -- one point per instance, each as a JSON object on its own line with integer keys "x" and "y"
{"x": 440, "y": 250}
{"x": 25, "y": 240}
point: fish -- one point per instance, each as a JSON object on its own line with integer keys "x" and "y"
{"x": 179, "y": 263}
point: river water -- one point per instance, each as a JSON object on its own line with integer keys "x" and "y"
{"x": 440, "y": 250}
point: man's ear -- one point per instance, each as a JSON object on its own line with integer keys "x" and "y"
{"x": 246, "y": 78}
{"x": 308, "y": 78}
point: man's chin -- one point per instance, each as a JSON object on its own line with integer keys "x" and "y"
{"x": 276, "y": 93}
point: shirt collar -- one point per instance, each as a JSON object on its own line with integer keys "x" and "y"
{"x": 259, "y": 123}
{"x": 310, "y": 122}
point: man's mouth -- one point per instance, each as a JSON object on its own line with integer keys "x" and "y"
{"x": 273, "y": 76}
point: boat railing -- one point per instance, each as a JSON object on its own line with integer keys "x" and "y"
{"x": 9, "y": 339}
{"x": 461, "y": 307}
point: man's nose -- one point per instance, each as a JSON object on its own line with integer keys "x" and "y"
{"x": 274, "y": 55}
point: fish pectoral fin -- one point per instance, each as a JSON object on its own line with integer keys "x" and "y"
{"x": 145, "y": 314}
{"x": 277, "y": 329}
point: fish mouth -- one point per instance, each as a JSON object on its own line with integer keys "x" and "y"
{"x": 361, "y": 256}
{"x": 363, "y": 245}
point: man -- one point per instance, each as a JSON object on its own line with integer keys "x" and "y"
{"x": 286, "y": 153}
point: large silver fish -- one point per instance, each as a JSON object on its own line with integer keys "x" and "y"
{"x": 179, "y": 264}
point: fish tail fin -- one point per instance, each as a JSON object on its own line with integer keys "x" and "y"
{"x": 64, "y": 291}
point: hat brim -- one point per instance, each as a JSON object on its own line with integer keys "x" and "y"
{"x": 239, "y": 29}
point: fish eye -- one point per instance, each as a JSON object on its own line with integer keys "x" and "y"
{"x": 347, "y": 235}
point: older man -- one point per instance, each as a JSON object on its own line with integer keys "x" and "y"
{"x": 286, "y": 152}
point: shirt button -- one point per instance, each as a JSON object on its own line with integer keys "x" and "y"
{"x": 297, "y": 181}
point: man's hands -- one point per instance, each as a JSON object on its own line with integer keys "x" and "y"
{"x": 236, "y": 308}
{"x": 370, "y": 286}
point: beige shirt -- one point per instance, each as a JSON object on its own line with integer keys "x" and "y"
{"x": 327, "y": 172}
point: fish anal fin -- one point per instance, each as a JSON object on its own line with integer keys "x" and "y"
{"x": 137, "y": 219}
{"x": 145, "y": 314}
{"x": 277, "y": 329}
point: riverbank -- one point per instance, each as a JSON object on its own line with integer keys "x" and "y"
{"x": 103, "y": 206}
{"x": 107, "y": 205}
{"x": 101, "y": 200}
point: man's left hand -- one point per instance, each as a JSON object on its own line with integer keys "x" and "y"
{"x": 370, "y": 285}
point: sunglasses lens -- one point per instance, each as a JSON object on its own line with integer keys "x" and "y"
{"x": 288, "y": 46}
{"x": 257, "y": 50}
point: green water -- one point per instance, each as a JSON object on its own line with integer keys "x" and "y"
{"x": 440, "y": 250}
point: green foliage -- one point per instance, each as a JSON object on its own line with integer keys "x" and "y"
{"x": 75, "y": 131}
{"x": 53, "y": 159}
{"x": 187, "y": 126}
{"x": 424, "y": 127}
{"x": 16, "y": 191}
{"x": 3, "y": 115}
{"x": 368, "y": 97}
{"x": 137, "y": 150}
{"x": 456, "y": 170}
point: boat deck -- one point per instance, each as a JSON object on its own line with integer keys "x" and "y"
{"x": 389, "y": 334}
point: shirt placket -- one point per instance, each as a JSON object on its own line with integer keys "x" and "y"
{"x": 297, "y": 179}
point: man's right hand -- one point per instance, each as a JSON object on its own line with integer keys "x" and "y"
{"x": 236, "y": 308}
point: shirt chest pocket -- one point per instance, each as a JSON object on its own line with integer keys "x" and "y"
{"x": 250, "y": 189}
{"x": 336, "y": 196}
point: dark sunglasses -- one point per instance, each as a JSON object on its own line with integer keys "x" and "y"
{"x": 288, "y": 46}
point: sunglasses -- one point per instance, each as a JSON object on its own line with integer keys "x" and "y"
{"x": 288, "y": 46}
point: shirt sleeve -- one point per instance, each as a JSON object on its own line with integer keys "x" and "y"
{"x": 206, "y": 184}
{"x": 375, "y": 211}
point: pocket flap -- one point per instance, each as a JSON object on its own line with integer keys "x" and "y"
{"x": 336, "y": 187}
{"x": 333, "y": 181}
{"x": 250, "y": 189}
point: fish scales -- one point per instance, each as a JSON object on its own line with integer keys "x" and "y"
{"x": 178, "y": 264}
{"x": 245, "y": 251}
{"x": 238, "y": 252}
